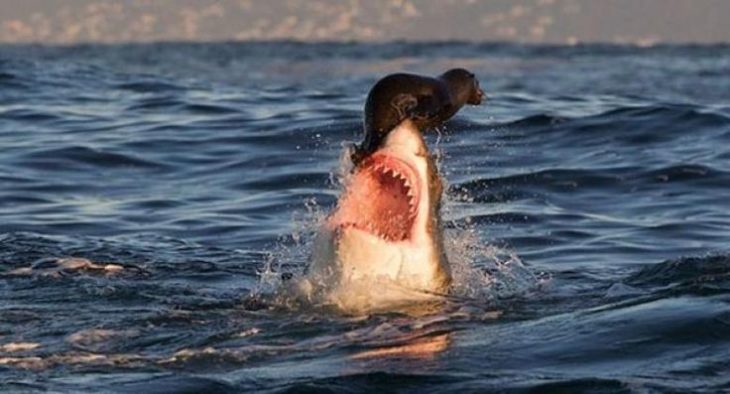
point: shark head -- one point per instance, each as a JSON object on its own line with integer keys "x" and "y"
{"x": 382, "y": 244}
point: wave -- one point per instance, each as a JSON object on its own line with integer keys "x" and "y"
{"x": 152, "y": 86}
{"x": 176, "y": 105}
{"x": 12, "y": 81}
{"x": 61, "y": 158}
{"x": 30, "y": 115}
{"x": 519, "y": 186}
{"x": 639, "y": 124}
{"x": 171, "y": 383}
{"x": 712, "y": 270}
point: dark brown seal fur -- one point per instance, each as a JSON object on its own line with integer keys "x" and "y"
{"x": 427, "y": 101}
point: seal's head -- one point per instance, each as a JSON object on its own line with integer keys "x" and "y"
{"x": 463, "y": 87}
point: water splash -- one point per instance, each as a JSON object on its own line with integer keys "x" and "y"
{"x": 485, "y": 272}
{"x": 288, "y": 258}
{"x": 481, "y": 272}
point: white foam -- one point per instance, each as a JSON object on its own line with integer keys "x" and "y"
{"x": 18, "y": 347}
{"x": 56, "y": 268}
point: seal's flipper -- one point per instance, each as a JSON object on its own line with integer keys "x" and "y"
{"x": 404, "y": 105}
{"x": 424, "y": 110}
{"x": 429, "y": 111}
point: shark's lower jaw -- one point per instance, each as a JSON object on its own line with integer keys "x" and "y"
{"x": 382, "y": 198}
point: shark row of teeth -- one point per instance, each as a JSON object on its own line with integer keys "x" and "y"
{"x": 397, "y": 175}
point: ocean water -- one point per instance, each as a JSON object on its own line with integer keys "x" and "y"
{"x": 153, "y": 196}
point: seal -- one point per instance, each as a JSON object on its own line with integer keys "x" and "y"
{"x": 382, "y": 246}
{"x": 426, "y": 101}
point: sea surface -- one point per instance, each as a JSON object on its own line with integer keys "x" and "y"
{"x": 154, "y": 197}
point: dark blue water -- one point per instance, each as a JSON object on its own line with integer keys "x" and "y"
{"x": 589, "y": 201}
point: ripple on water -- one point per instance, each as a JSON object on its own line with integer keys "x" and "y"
{"x": 64, "y": 158}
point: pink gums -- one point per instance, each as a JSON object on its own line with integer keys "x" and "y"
{"x": 381, "y": 198}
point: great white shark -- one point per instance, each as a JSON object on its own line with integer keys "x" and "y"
{"x": 382, "y": 245}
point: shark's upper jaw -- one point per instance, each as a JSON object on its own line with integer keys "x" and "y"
{"x": 387, "y": 194}
{"x": 382, "y": 198}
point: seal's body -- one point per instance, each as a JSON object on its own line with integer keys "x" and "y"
{"x": 426, "y": 101}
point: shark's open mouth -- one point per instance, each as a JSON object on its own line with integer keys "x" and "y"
{"x": 381, "y": 198}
